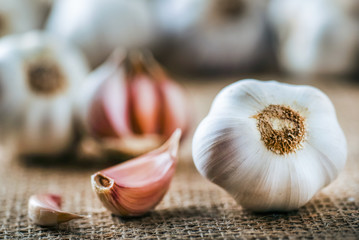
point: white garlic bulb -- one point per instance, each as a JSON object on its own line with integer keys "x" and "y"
{"x": 214, "y": 35}
{"x": 39, "y": 77}
{"x": 316, "y": 37}
{"x": 97, "y": 27}
{"x": 271, "y": 145}
{"x": 18, "y": 16}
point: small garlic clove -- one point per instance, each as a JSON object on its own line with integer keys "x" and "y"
{"x": 145, "y": 104}
{"x": 135, "y": 187}
{"x": 45, "y": 210}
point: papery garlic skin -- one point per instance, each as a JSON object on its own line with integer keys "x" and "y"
{"x": 230, "y": 150}
{"x": 45, "y": 210}
{"x": 317, "y": 37}
{"x": 136, "y": 186}
{"x": 40, "y": 77}
{"x": 97, "y": 27}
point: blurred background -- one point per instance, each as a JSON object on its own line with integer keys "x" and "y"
{"x": 52, "y": 51}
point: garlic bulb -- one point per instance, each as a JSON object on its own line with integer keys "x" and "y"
{"x": 39, "y": 77}
{"x": 130, "y": 104}
{"x": 97, "y": 27}
{"x": 18, "y": 16}
{"x": 45, "y": 210}
{"x": 317, "y": 37}
{"x": 215, "y": 35}
{"x": 136, "y": 186}
{"x": 271, "y": 145}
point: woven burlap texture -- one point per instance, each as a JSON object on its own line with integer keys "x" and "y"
{"x": 193, "y": 208}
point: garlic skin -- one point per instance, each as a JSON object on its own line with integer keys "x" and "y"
{"x": 271, "y": 145}
{"x": 97, "y": 27}
{"x": 19, "y": 16}
{"x": 136, "y": 186}
{"x": 39, "y": 78}
{"x": 317, "y": 37}
{"x": 130, "y": 105}
{"x": 213, "y": 35}
{"x": 45, "y": 210}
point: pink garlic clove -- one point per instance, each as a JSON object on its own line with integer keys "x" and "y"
{"x": 135, "y": 187}
{"x": 145, "y": 104}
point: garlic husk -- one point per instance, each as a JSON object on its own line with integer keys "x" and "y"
{"x": 316, "y": 37}
{"x": 39, "y": 76}
{"x": 97, "y": 27}
{"x": 130, "y": 105}
{"x": 213, "y": 36}
{"x": 45, "y": 210}
{"x": 19, "y": 16}
{"x": 233, "y": 149}
{"x": 136, "y": 186}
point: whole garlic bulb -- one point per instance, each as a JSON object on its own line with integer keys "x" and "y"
{"x": 97, "y": 27}
{"x": 214, "y": 35}
{"x": 18, "y": 16}
{"x": 39, "y": 77}
{"x": 271, "y": 145}
{"x": 317, "y": 37}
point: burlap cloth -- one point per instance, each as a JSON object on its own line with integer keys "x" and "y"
{"x": 193, "y": 208}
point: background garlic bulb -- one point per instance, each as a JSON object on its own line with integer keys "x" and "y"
{"x": 215, "y": 35}
{"x": 97, "y": 27}
{"x": 130, "y": 103}
{"x": 271, "y": 145}
{"x": 17, "y": 16}
{"x": 316, "y": 37}
{"x": 39, "y": 76}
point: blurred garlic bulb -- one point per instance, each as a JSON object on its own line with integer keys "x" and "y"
{"x": 97, "y": 27}
{"x": 271, "y": 145}
{"x": 215, "y": 35}
{"x": 18, "y": 16}
{"x": 317, "y": 37}
{"x": 39, "y": 76}
{"x": 131, "y": 104}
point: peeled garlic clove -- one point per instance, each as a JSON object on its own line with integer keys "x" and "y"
{"x": 39, "y": 78}
{"x": 45, "y": 210}
{"x": 271, "y": 145}
{"x": 145, "y": 104}
{"x": 136, "y": 186}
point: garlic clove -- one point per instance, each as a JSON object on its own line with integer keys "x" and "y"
{"x": 109, "y": 113}
{"x": 145, "y": 104}
{"x": 175, "y": 107}
{"x": 45, "y": 210}
{"x": 136, "y": 186}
